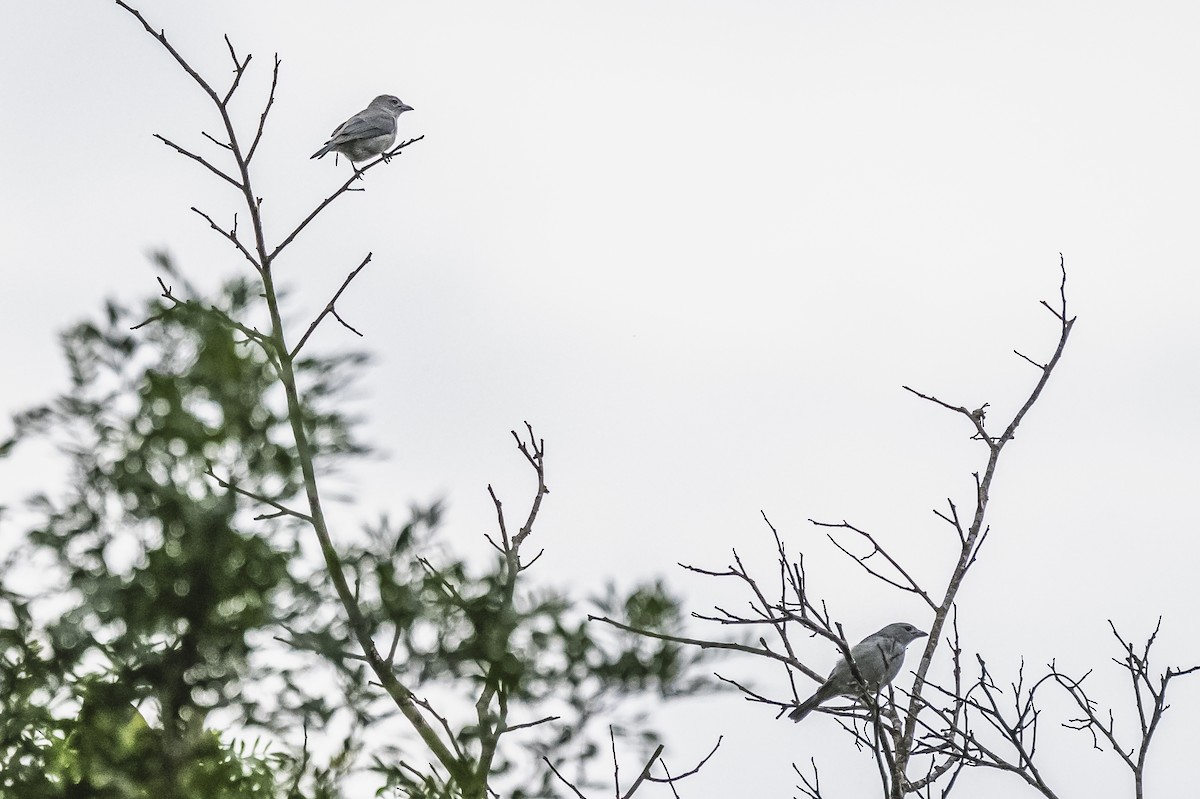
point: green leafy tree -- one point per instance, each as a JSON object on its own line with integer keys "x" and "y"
{"x": 179, "y": 641}
{"x": 157, "y": 590}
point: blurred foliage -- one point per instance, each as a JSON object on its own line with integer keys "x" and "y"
{"x": 148, "y": 583}
{"x": 147, "y": 615}
{"x": 446, "y": 619}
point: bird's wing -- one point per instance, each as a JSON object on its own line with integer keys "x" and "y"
{"x": 875, "y": 657}
{"x": 869, "y": 646}
{"x": 364, "y": 125}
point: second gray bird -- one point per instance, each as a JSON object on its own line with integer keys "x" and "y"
{"x": 878, "y": 658}
{"x": 368, "y": 133}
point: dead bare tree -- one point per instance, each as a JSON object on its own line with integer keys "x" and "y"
{"x": 923, "y": 737}
{"x": 1149, "y": 698}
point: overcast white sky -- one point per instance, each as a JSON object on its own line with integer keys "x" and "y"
{"x": 700, "y": 246}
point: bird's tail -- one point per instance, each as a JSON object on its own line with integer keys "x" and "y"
{"x": 827, "y": 691}
{"x": 322, "y": 152}
{"x": 803, "y": 710}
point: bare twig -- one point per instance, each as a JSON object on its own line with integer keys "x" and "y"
{"x": 283, "y": 509}
{"x": 644, "y": 774}
{"x": 694, "y": 770}
{"x": 200, "y": 160}
{"x": 231, "y": 236}
{"x": 264, "y": 342}
{"x": 810, "y": 787}
{"x": 239, "y": 69}
{"x": 564, "y": 780}
{"x": 526, "y": 725}
{"x": 909, "y": 585}
{"x": 441, "y": 720}
{"x": 535, "y": 453}
{"x": 262, "y": 120}
{"x": 697, "y": 642}
{"x": 329, "y": 307}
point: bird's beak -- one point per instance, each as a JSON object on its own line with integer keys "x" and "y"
{"x": 922, "y": 635}
{"x": 405, "y": 107}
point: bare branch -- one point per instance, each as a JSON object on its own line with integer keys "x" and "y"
{"x": 329, "y": 308}
{"x": 441, "y": 720}
{"x": 1150, "y": 699}
{"x": 221, "y": 144}
{"x": 953, "y": 520}
{"x": 909, "y": 585}
{"x": 262, "y": 120}
{"x": 200, "y": 160}
{"x": 535, "y": 453}
{"x": 528, "y": 724}
{"x": 645, "y": 773}
{"x": 250, "y": 333}
{"x": 289, "y": 238}
{"x": 1041, "y": 366}
{"x": 564, "y": 780}
{"x": 693, "y": 770}
{"x": 283, "y": 510}
{"x": 231, "y": 236}
{"x": 239, "y": 69}
{"x": 696, "y": 641}
{"x": 500, "y": 520}
{"x": 975, "y": 417}
{"x": 811, "y": 787}
{"x": 1065, "y": 331}
{"x": 162, "y": 39}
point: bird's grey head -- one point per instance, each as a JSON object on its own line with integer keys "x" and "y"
{"x": 902, "y": 633}
{"x": 388, "y": 102}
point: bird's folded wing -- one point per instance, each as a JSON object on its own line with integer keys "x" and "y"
{"x": 362, "y": 126}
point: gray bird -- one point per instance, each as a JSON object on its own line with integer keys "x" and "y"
{"x": 877, "y": 657}
{"x": 368, "y": 133}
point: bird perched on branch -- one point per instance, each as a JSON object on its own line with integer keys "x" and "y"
{"x": 877, "y": 657}
{"x": 368, "y": 133}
